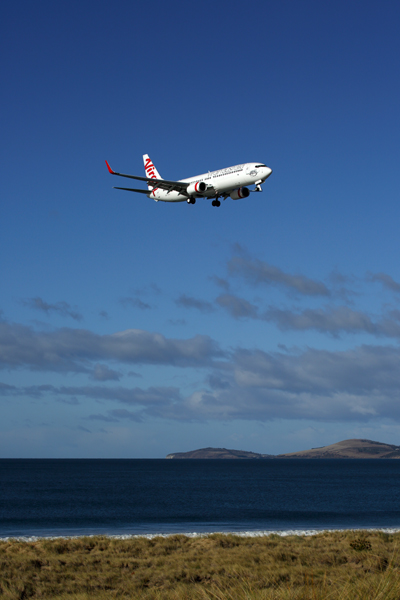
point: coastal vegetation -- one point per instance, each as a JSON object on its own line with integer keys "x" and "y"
{"x": 341, "y": 565}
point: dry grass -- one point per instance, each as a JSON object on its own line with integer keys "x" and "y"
{"x": 328, "y": 566}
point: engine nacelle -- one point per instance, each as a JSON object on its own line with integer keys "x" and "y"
{"x": 243, "y": 192}
{"x": 197, "y": 187}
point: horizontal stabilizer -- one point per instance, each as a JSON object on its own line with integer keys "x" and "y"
{"x": 132, "y": 190}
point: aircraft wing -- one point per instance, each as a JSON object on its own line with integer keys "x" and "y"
{"x": 163, "y": 184}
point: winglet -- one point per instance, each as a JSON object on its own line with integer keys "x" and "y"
{"x": 110, "y": 169}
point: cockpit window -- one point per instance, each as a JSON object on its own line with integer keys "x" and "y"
{"x": 257, "y": 166}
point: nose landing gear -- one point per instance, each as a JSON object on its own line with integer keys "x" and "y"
{"x": 191, "y": 200}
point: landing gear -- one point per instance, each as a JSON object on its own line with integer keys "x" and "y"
{"x": 216, "y": 202}
{"x": 191, "y": 200}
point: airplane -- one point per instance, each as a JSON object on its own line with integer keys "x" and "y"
{"x": 230, "y": 182}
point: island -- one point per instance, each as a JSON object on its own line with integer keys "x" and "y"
{"x": 349, "y": 449}
{"x": 354, "y": 448}
{"x": 218, "y": 453}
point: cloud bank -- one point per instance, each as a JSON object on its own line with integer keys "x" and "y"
{"x": 354, "y": 385}
{"x": 75, "y": 350}
{"x": 357, "y": 384}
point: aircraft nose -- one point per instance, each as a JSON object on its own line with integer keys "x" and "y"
{"x": 268, "y": 172}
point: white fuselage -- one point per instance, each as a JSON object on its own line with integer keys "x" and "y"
{"x": 221, "y": 182}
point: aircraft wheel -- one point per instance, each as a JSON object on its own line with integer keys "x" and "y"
{"x": 217, "y": 203}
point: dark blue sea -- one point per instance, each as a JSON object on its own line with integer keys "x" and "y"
{"x": 131, "y": 497}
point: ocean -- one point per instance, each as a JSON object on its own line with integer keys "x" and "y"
{"x": 149, "y": 497}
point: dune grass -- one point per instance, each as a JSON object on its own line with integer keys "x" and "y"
{"x": 329, "y": 566}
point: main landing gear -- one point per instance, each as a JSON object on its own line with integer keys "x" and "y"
{"x": 216, "y": 202}
{"x": 191, "y": 200}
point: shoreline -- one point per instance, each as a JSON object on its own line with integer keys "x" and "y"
{"x": 205, "y": 534}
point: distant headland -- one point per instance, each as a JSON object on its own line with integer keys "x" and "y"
{"x": 218, "y": 453}
{"x": 345, "y": 449}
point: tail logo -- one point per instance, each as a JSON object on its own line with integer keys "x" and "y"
{"x": 149, "y": 168}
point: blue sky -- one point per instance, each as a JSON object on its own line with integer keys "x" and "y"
{"x": 130, "y": 328}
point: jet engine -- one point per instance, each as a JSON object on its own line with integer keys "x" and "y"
{"x": 197, "y": 187}
{"x": 242, "y": 192}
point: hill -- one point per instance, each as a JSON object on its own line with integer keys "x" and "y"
{"x": 345, "y": 449}
{"x": 349, "y": 449}
{"x": 218, "y": 453}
